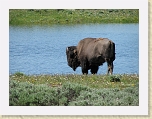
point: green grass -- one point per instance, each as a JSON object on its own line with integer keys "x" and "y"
{"x": 81, "y": 16}
{"x": 92, "y": 81}
{"x": 74, "y": 90}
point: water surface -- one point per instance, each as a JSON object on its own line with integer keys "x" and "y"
{"x": 41, "y": 49}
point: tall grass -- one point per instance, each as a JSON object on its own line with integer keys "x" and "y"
{"x": 68, "y": 16}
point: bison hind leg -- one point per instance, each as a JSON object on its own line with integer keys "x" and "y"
{"x": 94, "y": 69}
{"x": 110, "y": 67}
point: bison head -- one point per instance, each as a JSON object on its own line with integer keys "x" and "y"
{"x": 72, "y": 57}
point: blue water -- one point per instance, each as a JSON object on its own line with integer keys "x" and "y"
{"x": 41, "y": 49}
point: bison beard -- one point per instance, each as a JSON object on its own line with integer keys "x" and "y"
{"x": 90, "y": 53}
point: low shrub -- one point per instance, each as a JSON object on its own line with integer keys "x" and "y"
{"x": 107, "y": 97}
{"x": 70, "y": 94}
{"x": 27, "y": 94}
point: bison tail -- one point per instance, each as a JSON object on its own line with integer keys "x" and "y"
{"x": 112, "y": 52}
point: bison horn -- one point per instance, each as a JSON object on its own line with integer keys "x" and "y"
{"x": 67, "y": 48}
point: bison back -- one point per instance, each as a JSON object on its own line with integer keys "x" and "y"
{"x": 94, "y": 48}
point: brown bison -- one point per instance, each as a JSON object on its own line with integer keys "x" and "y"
{"x": 90, "y": 53}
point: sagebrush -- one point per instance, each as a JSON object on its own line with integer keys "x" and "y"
{"x": 70, "y": 94}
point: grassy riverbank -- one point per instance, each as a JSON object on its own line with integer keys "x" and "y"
{"x": 60, "y": 16}
{"x": 74, "y": 89}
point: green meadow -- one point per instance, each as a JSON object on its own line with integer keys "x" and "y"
{"x": 74, "y": 90}
{"x": 71, "y": 16}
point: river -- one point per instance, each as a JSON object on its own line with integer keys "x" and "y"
{"x": 41, "y": 49}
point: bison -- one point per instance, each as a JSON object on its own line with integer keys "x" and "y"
{"x": 90, "y": 53}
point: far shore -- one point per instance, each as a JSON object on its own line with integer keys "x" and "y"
{"x": 70, "y": 16}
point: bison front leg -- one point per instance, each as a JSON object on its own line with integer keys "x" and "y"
{"x": 110, "y": 67}
{"x": 84, "y": 67}
{"x": 84, "y": 71}
{"x": 94, "y": 69}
